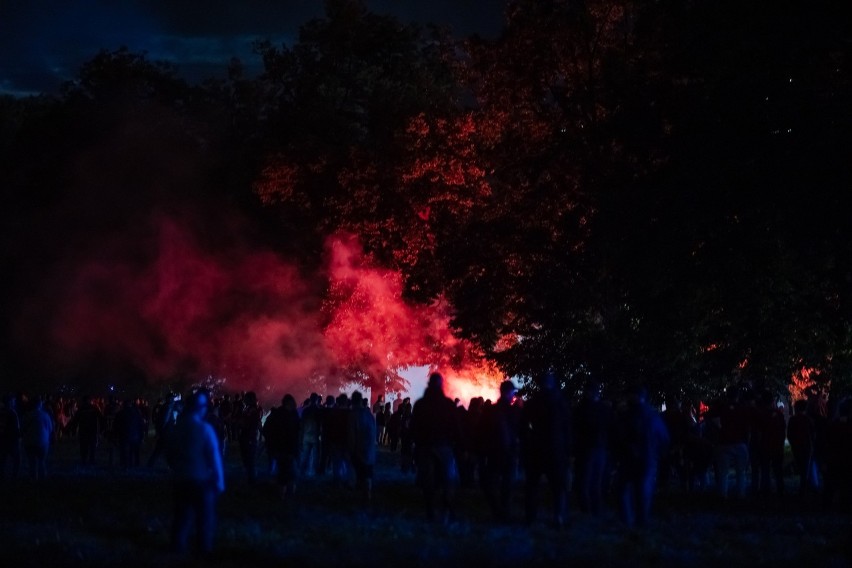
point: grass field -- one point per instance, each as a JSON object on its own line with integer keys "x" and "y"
{"x": 106, "y": 517}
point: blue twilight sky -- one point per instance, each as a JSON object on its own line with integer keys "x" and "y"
{"x": 44, "y": 42}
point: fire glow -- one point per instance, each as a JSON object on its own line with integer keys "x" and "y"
{"x": 254, "y": 318}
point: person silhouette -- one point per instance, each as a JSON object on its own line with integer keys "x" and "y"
{"x": 192, "y": 451}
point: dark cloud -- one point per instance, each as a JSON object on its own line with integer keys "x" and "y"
{"x": 44, "y": 42}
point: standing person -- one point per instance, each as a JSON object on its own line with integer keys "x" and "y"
{"x": 192, "y": 450}
{"x": 801, "y": 431}
{"x": 311, "y": 429}
{"x": 249, "y": 434}
{"x": 283, "y": 441}
{"x": 732, "y": 420}
{"x": 500, "y": 446}
{"x": 110, "y": 411}
{"x": 129, "y": 430}
{"x": 325, "y": 443}
{"x": 641, "y": 438}
{"x": 226, "y": 410}
{"x": 547, "y": 448}
{"x": 380, "y": 416}
{"x": 674, "y": 462}
{"x": 165, "y": 416}
{"x": 435, "y": 432}
{"x": 10, "y": 437}
{"x": 392, "y": 428}
{"x": 406, "y": 443}
{"x": 592, "y": 427}
{"x": 36, "y": 429}
{"x": 88, "y": 422}
{"x": 770, "y": 448}
{"x": 334, "y": 430}
{"x": 361, "y": 443}
{"x": 214, "y": 418}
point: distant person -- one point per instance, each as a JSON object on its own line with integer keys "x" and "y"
{"x": 249, "y": 434}
{"x": 406, "y": 443}
{"x": 165, "y": 416}
{"x": 129, "y": 431}
{"x": 282, "y": 433}
{"x": 732, "y": 421}
{"x": 10, "y": 437}
{"x": 678, "y": 423}
{"x": 310, "y": 437}
{"x": 226, "y": 411}
{"x": 436, "y": 433}
{"x": 192, "y": 451}
{"x": 801, "y": 432}
{"x": 593, "y": 425}
{"x": 641, "y": 438}
{"x": 361, "y": 444}
{"x": 837, "y": 480}
{"x": 214, "y": 418}
{"x": 334, "y": 430}
{"x": 470, "y": 455}
{"x": 500, "y": 448}
{"x": 36, "y": 430}
{"x": 769, "y": 447}
{"x": 109, "y": 434}
{"x": 547, "y": 429}
{"x": 88, "y": 422}
{"x": 325, "y": 443}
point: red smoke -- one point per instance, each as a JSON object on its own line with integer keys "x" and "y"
{"x": 255, "y": 320}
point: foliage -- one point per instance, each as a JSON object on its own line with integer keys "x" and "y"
{"x": 644, "y": 191}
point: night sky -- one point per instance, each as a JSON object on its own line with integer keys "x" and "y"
{"x": 44, "y": 42}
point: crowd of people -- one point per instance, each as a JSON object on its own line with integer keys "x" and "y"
{"x": 596, "y": 452}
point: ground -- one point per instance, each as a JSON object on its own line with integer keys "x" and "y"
{"x": 103, "y": 516}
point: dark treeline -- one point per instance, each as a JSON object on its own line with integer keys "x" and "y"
{"x": 633, "y": 191}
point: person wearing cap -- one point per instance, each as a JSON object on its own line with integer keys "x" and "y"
{"x": 193, "y": 454}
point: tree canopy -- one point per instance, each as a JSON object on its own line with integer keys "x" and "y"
{"x": 634, "y": 191}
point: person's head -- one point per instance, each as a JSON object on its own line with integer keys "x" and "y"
{"x": 507, "y": 390}
{"x": 436, "y": 381}
{"x": 288, "y": 402}
{"x": 800, "y": 406}
{"x": 197, "y": 402}
{"x": 357, "y": 397}
{"x": 342, "y": 400}
{"x": 250, "y": 399}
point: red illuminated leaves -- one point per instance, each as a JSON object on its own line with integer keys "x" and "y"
{"x": 278, "y": 181}
{"x": 445, "y": 163}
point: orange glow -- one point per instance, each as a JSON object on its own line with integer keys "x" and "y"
{"x": 801, "y": 381}
{"x": 470, "y": 382}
